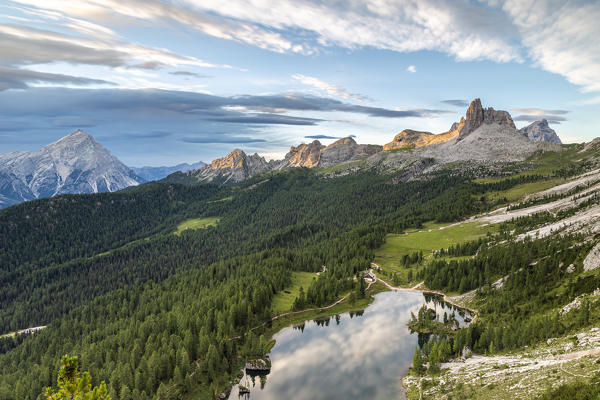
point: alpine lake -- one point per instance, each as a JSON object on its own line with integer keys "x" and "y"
{"x": 355, "y": 355}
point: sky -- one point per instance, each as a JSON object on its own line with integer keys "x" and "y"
{"x": 160, "y": 82}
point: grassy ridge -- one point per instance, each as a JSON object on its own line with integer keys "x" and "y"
{"x": 431, "y": 237}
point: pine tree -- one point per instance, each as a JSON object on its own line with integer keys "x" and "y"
{"x": 75, "y": 386}
{"x": 417, "y": 362}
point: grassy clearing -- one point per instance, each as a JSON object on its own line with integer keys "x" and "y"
{"x": 284, "y": 300}
{"x": 196, "y": 223}
{"x": 229, "y": 198}
{"x": 520, "y": 191}
{"x": 431, "y": 237}
{"x": 546, "y": 164}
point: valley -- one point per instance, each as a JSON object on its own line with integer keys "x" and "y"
{"x": 164, "y": 290}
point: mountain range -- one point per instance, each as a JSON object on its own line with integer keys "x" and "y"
{"x": 77, "y": 163}
{"x": 156, "y": 173}
{"x": 482, "y": 135}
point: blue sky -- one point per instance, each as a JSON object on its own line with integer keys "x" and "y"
{"x": 163, "y": 82}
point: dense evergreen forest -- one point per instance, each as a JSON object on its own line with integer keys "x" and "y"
{"x": 158, "y": 315}
{"x": 144, "y": 308}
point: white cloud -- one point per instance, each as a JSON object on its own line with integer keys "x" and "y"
{"x": 329, "y": 88}
{"x": 538, "y": 111}
{"x": 562, "y": 37}
{"x": 412, "y": 69}
{"x": 459, "y": 28}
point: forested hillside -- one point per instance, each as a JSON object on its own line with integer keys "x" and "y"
{"x": 155, "y": 313}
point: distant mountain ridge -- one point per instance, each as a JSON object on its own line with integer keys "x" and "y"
{"x": 238, "y": 166}
{"x": 483, "y": 134}
{"x": 76, "y": 163}
{"x": 156, "y": 173}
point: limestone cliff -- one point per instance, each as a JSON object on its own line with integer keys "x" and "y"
{"x": 409, "y": 138}
{"x": 236, "y": 166}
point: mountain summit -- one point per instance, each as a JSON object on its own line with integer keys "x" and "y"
{"x": 76, "y": 163}
{"x": 476, "y": 116}
{"x": 539, "y": 131}
{"x": 238, "y": 166}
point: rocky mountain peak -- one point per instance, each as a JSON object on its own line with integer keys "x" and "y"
{"x": 476, "y": 116}
{"x": 235, "y": 159}
{"x": 540, "y": 131}
{"x": 344, "y": 141}
{"x": 76, "y": 163}
{"x": 305, "y": 155}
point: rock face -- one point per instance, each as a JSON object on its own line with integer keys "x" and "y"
{"x": 592, "y": 261}
{"x": 539, "y": 131}
{"x": 409, "y": 138}
{"x": 74, "y": 164}
{"x": 477, "y": 116}
{"x": 483, "y": 135}
{"x": 345, "y": 150}
{"x": 156, "y": 173}
{"x": 235, "y": 167}
{"x": 305, "y": 155}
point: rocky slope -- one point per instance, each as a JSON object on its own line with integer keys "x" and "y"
{"x": 539, "y": 131}
{"x": 475, "y": 118}
{"x": 482, "y": 135}
{"x": 409, "y": 138}
{"x": 74, "y": 164}
{"x": 238, "y": 166}
{"x": 485, "y": 135}
{"x": 156, "y": 173}
{"x": 235, "y": 167}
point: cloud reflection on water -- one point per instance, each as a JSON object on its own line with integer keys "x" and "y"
{"x": 361, "y": 358}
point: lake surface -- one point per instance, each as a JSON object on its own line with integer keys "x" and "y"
{"x": 348, "y": 356}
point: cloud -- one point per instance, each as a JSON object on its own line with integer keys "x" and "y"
{"x": 188, "y": 15}
{"x": 328, "y": 137}
{"x": 329, "y": 88}
{"x": 561, "y": 37}
{"x": 557, "y": 36}
{"x": 457, "y": 103}
{"x": 149, "y": 135}
{"x": 189, "y": 74}
{"x": 222, "y": 139}
{"x": 153, "y": 103}
{"x": 552, "y": 119}
{"x": 412, "y": 69}
{"x": 533, "y": 114}
{"x": 266, "y": 119}
{"x": 465, "y": 30}
{"x": 14, "y": 78}
{"x": 538, "y": 111}
{"x": 20, "y": 45}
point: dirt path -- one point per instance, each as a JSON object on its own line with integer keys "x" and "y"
{"x": 298, "y": 312}
{"x": 417, "y": 288}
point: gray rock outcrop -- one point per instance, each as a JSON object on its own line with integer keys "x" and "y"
{"x": 477, "y": 116}
{"x": 539, "y": 131}
{"x": 592, "y": 260}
